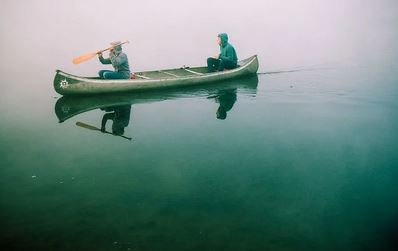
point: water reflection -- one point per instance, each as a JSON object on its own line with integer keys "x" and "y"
{"x": 119, "y": 115}
{"x": 117, "y": 107}
{"x": 226, "y": 99}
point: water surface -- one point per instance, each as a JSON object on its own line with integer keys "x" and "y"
{"x": 302, "y": 161}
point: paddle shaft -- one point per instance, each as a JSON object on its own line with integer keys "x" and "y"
{"x": 88, "y": 56}
{"x": 101, "y": 51}
{"x": 90, "y": 127}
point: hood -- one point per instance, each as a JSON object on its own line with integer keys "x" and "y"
{"x": 118, "y": 46}
{"x": 224, "y": 39}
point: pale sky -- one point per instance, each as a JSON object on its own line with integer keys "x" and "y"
{"x": 287, "y": 34}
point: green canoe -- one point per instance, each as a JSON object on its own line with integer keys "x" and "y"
{"x": 67, "y": 84}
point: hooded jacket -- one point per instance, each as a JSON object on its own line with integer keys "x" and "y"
{"x": 227, "y": 51}
{"x": 118, "y": 59}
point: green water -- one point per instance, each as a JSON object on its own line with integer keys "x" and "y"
{"x": 303, "y": 161}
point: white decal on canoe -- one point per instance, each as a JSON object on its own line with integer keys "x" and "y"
{"x": 64, "y": 84}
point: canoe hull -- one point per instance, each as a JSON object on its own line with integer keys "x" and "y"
{"x": 67, "y": 84}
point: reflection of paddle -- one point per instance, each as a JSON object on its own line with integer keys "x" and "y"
{"x": 97, "y": 129}
{"x": 85, "y": 57}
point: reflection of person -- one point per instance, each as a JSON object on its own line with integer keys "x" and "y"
{"x": 227, "y": 59}
{"x": 119, "y": 61}
{"x": 120, "y": 115}
{"x": 226, "y": 99}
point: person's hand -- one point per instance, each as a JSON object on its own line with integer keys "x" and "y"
{"x": 99, "y": 54}
{"x": 216, "y": 56}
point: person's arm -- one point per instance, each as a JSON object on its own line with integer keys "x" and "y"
{"x": 104, "y": 60}
{"x": 228, "y": 55}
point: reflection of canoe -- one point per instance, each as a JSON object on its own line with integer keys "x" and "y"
{"x": 67, "y": 84}
{"x": 69, "y": 106}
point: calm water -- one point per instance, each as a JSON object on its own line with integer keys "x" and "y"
{"x": 302, "y": 160}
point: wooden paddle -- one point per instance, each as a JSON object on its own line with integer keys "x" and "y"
{"x": 88, "y": 56}
{"x": 90, "y": 127}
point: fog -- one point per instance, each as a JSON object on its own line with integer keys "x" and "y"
{"x": 40, "y": 36}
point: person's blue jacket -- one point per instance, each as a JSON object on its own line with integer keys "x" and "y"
{"x": 118, "y": 59}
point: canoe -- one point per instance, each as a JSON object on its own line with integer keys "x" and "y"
{"x": 67, "y": 107}
{"x": 68, "y": 84}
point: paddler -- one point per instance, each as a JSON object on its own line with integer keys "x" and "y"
{"x": 227, "y": 59}
{"x": 119, "y": 61}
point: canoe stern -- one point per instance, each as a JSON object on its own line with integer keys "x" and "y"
{"x": 253, "y": 68}
{"x": 251, "y": 64}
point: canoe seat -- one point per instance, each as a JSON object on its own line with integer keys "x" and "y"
{"x": 194, "y": 72}
{"x": 141, "y": 76}
{"x": 169, "y": 73}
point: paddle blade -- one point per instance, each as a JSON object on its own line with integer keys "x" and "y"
{"x": 82, "y": 58}
{"x": 87, "y": 126}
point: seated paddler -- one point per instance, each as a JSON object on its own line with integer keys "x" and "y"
{"x": 119, "y": 61}
{"x": 226, "y": 59}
